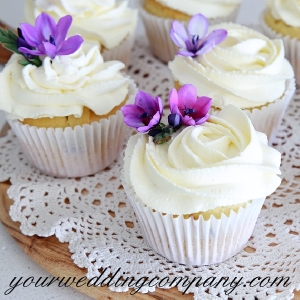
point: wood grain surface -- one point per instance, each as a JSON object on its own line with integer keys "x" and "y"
{"x": 4, "y": 53}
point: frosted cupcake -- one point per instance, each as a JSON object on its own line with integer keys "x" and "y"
{"x": 281, "y": 20}
{"x": 158, "y": 16}
{"x": 107, "y": 23}
{"x": 62, "y": 101}
{"x": 198, "y": 193}
{"x": 245, "y": 69}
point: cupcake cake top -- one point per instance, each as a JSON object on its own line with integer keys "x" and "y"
{"x": 210, "y": 8}
{"x": 245, "y": 61}
{"x": 107, "y": 22}
{"x": 57, "y": 76}
{"x": 220, "y": 162}
{"x": 287, "y": 11}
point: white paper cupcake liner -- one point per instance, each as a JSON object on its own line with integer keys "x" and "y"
{"x": 196, "y": 242}
{"x": 76, "y": 152}
{"x": 291, "y": 46}
{"x": 121, "y": 52}
{"x": 158, "y": 32}
{"x": 268, "y": 118}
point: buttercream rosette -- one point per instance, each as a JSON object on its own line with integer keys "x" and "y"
{"x": 107, "y": 23}
{"x": 44, "y": 104}
{"x": 281, "y": 20}
{"x": 197, "y": 197}
{"x": 248, "y": 70}
{"x": 158, "y": 26}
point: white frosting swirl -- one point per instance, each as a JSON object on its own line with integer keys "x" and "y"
{"x": 209, "y": 8}
{"x": 287, "y": 11}
{"x": 62, "y": 86}
{"x": 247, "y": 69}
{"x": 220, "y": 163}
{"x": 103, "y": 21}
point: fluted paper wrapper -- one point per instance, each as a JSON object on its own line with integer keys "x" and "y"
{"x": 267, "y": 118}
{"x": 76, "y": 152}
{"x": 121, "y": 52}
{"x": 291, "y": 46}
{"x": 158, "y": 32}
{"x": 196, "y": 242}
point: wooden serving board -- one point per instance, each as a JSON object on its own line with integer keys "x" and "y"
{"x": 4, "y": 53}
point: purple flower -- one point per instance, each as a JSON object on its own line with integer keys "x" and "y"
{"x": 22, "y": 43}
{"x": 192, "y": 110}
{"x": 49, "y": 38}
{"x": 195, "y": 42}
{"x": 174, "y": 120}
{"x": 144, "y": 114}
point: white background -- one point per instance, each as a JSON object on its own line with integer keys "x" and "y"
{"x": 13, "y": 261}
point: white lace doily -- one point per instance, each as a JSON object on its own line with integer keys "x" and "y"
{"x": 94, "y": 216}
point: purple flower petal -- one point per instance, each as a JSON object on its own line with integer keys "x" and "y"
{"x": 174, "y": 119}
{"x": 206, "y": 48}
{"x": 62, "y": 28}
{"x": 187, "y": 96}
{"x": 201, "y": 107}
{"x": 188, "y": 121}
{"x": 160, "y": 105}
{"x": 214, "y": 38}
{"x": 184, "y": 52}
{"x": 45, "y": 26}
{"x": 146, "y": 101}
{"x": 22, "y": 43}
{"x": 30, "y": 35}
{"x": 131, "y": 109}
{"x": 133, "y": 121}
{"x": 175, "y": 110}
{"x": 202, "y": 120}
{"x": 69, "y": 46}
{"x": 198, "y": 26}
{"x": 178, "y": 41}
{"x": 173, "y": 100}
{"x": 49, "y": 49}
{"x": 217, "y": 36}
{"x": 28, "y": 51}
{"x": 180, "y": 30}
{"x": 155, "y": 120}
{"x": 143, "y": 129}
{"x": 179, "y": 33}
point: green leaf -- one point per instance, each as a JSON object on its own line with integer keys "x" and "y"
{"x": 3, "y": 32}
{"x": 36, "y": 61}
{"x": 24, "y": 62}
{"x": 12, "y": 47}
{"x": 4, "y": 39}
{"x": 12, "y": 35}
{"x": 161, "y": 138}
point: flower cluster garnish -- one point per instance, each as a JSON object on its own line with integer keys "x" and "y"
{"x": 195, "y": 40}
{"x": 185, "y": 106}
{"x": 45, "y": 39}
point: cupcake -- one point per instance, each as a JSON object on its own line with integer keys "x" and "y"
{"x": 158, "y": 16}
{"x": 281, "y": 20}
{"x": 242, "y": 67}
{"x": 197, "y": 194}
{"x": 62, "y": 101}
{"x": 109, "y": 24}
